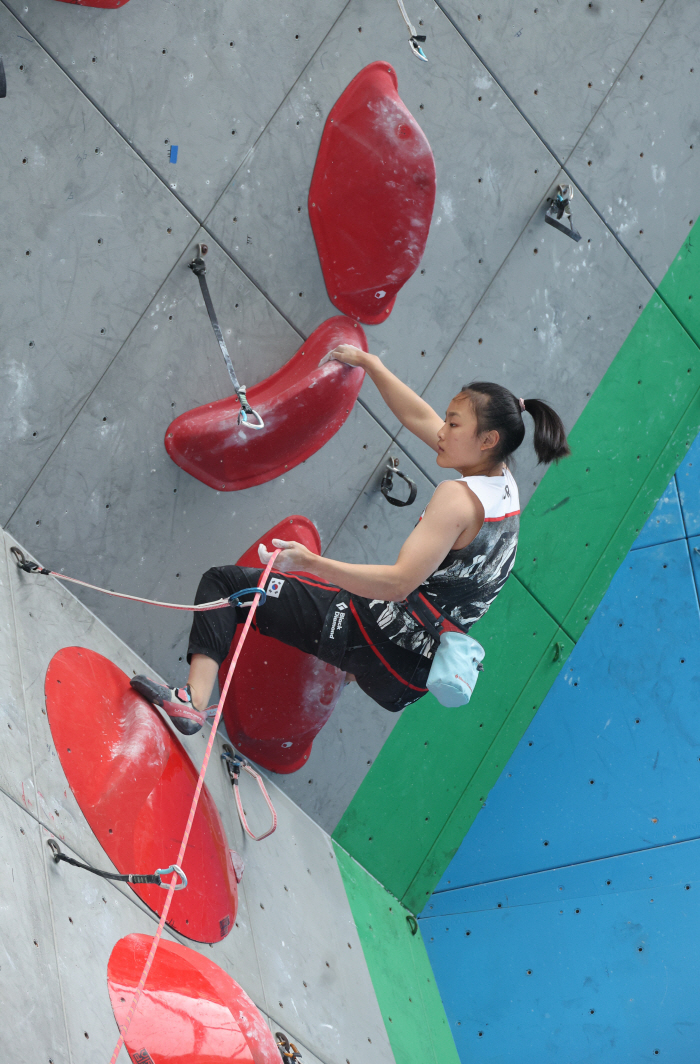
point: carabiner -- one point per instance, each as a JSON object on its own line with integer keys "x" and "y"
{"x": 247, "y": 409}
{"x": 169, "y": 871}
{"x": 233, "y": 598}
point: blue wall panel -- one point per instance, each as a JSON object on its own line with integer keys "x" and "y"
{"x": 583, "y": 867}
{"x": 574, "y": 970}
{"x": 665, "y": 523}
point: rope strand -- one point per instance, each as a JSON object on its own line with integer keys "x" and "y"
{"x": 185, "y": 839}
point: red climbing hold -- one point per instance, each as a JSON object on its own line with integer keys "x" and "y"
{"x": 279, "y": 698}
{"x": 191, "y": 1011}
{"x": 302, "y": 406}
{"x": 372, "y": 195}
{"x": 97, "y": 3}
{"x": 134, "y": 783}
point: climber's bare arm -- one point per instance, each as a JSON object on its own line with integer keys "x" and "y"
{"x": 453, "y": 513}
{"x": 413, "y": 412}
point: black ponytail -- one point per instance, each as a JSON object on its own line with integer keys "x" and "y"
{"x": 497, "y": 408}
{"x": 550, "y": 437}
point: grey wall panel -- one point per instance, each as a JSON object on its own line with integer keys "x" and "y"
{"x": 90, "y": 916}
{"x": 492, "y": 172}
{"x": 282, "y": 938}
{"x": 33, "y": 1020}
{"x": 15, "y": 749}
{"x": 143, "y": 524}
{"x": 316, "y": 979}
{"x": 638, "y": 161}
{"x": 204, "y": 76}
{"x": 548, "y": 328}
{"x": 558, "y": 61}
{"x": 89, "y": 238}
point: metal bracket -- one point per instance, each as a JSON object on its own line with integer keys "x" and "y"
{"x": 560, "y": 206}
{"x": 388, "y": 483}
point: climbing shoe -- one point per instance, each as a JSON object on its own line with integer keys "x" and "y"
{"x": 175, "y": 701}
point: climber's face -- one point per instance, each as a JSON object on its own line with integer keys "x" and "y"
{"x": 460, "y": 444}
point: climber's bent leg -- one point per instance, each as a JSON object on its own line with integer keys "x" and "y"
{"x": 294, "y": 611}
{"x": 201, "y": 680}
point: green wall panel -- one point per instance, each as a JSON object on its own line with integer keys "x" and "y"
{"x": 680, "y": 288}
{"x": 576, "y": 512}
{"x": 400, "y": 970}
{"x": 474, "y": 794}
{"x": 433, "y": 752}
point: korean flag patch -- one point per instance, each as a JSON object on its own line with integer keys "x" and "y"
{"x": 274, "y": 587}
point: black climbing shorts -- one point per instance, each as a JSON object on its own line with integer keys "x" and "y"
{"x": 314, "y": 617}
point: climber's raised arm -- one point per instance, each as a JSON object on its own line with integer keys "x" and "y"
{"x": 413, "y": 412}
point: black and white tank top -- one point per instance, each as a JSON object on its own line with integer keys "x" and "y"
{"x": 468, "y": 580}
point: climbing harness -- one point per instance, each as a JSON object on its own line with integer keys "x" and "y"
{"x": 388, "y": 483}
{"x": 288, "y": 1051}
{"x": 559, "y": 206}
{"x": 234, "y": 763}
{"x": 199, "y": 270}
{"x": 414, "y": 40}
{"x": 219, "y": 604}
{"x": 172, "y": 886}
{"x": 59, "y": 856}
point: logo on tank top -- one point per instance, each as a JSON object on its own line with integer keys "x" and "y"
{"x": 274, "y": 587}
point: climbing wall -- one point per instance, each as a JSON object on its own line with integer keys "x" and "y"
{"x": 128, "y": 136}
{"x": 294, "y": 947}
{"x": 106, "y": 335}
{"x": 563, "y": 927}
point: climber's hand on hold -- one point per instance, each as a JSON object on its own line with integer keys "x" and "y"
{"x": 294, "y": 557}
{"x": 351, "y": 356}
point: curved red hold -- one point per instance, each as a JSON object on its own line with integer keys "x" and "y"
{"x": 302, "y": 406}
{"x": 97, "y": 3}
{"x": 371, "y": 197}
{"x": 134, "y": 783}
{"x": 190, "y": 1012}
{"x": 279, "y": 698}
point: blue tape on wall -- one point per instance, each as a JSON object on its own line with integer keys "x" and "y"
{"x": 173, "y": 153}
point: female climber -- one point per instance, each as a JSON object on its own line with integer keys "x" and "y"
{"x": 381, "y": 624}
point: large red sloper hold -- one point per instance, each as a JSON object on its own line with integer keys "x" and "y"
{"x": 371, "y": 197}
{"x": 134, "y": 782}
{"x": 279, "y": 698}
{"x": 97, "y": 3}
{"x": 302, "y": 406}
{"x": 190, "y": 1012}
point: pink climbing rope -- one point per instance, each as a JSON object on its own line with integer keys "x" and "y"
{"x": 190, "y": 819}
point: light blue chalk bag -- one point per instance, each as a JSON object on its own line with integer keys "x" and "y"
{"x": 455, "y": 669}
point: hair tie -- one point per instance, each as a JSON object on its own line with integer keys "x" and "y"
{"x": 522, "y": 403}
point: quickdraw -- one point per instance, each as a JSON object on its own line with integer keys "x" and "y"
{"x": 220, "y": 604}
{"x": 155, "y": 878}
{"x": 199, "y": 270}
{"x": 388, "y": 483}
{"x": 560, "y": 205}
{"x": 288, "y": 1051}
{"x": 414, "y": 39}
{"x": 235, "y": 763}
{"x": 3, "y": 82}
